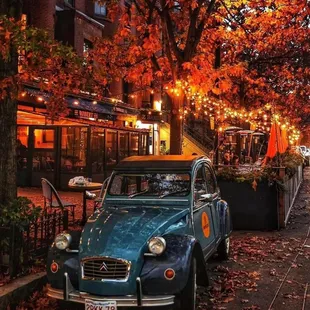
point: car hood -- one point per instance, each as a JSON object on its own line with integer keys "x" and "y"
{"x": 124, "y": 232}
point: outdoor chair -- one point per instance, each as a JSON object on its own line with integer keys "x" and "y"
{"x": 99, "y": 199}
{"x": 52, "y": 199}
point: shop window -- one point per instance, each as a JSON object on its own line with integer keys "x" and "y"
{"x": 111, "y": 149}
{"x": 73, "y": 149}
{"x": 97, "y": 150}
{"x": 44, "y": 138}
{"x": 134, "y": 144}
{"x": 123, "y": 145}
{"x": 43, "y": 155}
{"x": 22, "y": 147}
{"x": 100, "y": 10}
{"x": 22, "y": 135}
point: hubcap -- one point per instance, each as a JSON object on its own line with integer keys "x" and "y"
{"x": 227, "y": 241}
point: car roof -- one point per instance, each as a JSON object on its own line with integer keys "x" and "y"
{"x": 159, "y": 162}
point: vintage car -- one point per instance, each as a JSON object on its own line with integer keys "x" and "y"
{"x": 161, "y": 218}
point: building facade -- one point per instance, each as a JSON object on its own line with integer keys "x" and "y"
{"x": 94, "y": 136}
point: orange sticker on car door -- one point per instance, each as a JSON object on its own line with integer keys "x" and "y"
{"x": 205, "y": 224}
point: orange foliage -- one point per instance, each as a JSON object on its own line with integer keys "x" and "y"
{"x": 264, "y": 49}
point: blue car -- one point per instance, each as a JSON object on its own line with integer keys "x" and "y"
{"x": 161, "y": 218}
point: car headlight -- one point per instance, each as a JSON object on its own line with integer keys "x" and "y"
{"x": 62, "y": 241}
{"x": 157, "y": 245}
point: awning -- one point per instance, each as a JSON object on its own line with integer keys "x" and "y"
{"x": 98, "y": 110}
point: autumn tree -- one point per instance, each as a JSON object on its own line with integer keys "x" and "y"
{"x": 28, "y": 55}
{"x": 173, "y": 44}
{"x": 271, "y": 39}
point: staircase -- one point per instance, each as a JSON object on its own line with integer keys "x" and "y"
{"x": 193, "y": 142}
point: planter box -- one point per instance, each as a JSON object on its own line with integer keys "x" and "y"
{"x": 251, "y": 210}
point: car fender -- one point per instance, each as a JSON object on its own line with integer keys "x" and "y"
{"x": 178, "y": 255}
{"x": 225, "y": 218}
{"x": 68, "y": 261}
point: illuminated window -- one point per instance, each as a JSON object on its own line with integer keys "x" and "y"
{"x": 100, "y": 9}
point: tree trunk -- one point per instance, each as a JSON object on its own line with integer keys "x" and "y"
{"x": 176, "y": 126}
{"x": 8, "y": 115}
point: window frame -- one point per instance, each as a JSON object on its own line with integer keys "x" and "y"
{"x": 212, "y": 175}
{"x": 98, "y": 8}
{"x": 198, "y": 204}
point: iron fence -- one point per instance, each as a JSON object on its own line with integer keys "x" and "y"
{"x": 21, "y": 246}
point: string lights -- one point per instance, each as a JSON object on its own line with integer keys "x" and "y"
{"x": 202, "y": 105}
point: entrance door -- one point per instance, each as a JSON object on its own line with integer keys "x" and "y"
{"x": 42, "y": 147}
{"x": 202, "y": 212}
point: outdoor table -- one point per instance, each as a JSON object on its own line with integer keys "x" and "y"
{"x": 83, "y": 188}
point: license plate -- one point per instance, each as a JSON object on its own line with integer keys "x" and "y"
{"x": 100, "y": 305}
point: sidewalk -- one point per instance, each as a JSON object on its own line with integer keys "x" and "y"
{"x": 267, "y": 270}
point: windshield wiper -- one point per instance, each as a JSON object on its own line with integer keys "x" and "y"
{"x": 138, "y": 193}
{"x": 173, "y": 193}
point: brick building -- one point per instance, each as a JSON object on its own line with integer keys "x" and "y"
{"x": 94, "y": 136}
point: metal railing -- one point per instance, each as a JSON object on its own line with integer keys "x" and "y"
{"x": 21, "y": 246}
{"x": 203, "y": 141}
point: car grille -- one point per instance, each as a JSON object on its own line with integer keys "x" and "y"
{"x": 105, "y": 268}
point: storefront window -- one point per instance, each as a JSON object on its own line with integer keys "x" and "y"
{"x": 97, "y": 150}
{"x": 22, "y": 147}
{"x": 73, "y": 149}
{"x": 43, "y": 154}
{"x": 134, "y": 144}
{"x": 123, "y": 145}
{"x": 111, "y": 149}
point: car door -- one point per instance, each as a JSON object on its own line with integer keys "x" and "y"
{"x": 213, "y": 190}
{"x": 202, "y": 216}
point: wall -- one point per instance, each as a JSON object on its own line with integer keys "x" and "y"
{"x": 41, "y": 14}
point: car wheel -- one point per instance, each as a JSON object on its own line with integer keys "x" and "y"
{"x": 224, "y": 249}
{"x": 187, "y": 298}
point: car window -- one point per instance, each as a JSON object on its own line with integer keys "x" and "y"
{"x": 199, "y": 186}
{"x": 211, "y": 184}
{"x": 150, "y": 184}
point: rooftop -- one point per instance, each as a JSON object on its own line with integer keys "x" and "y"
{"x": 155, "y": 162}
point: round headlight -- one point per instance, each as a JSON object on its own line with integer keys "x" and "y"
{"x": 62, "y": 241}
{"x": 157, "y": 245}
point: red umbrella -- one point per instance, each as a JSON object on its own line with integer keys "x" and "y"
{"x": 275, "y": 143}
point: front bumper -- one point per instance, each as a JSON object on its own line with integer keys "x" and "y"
{"x": 72, "y": 295}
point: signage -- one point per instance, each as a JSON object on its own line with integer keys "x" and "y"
{"x": 155, "y": 117}
{"x": 85, "y": 114}
{"x": 205, "y": 224}
{"x": 90, "y": 115}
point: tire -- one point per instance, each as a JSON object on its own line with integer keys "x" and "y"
{"x": 187, "y": 298}
{"x": 223, "y": 249}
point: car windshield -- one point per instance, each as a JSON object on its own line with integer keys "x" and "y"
{"x": 150, "y": 184}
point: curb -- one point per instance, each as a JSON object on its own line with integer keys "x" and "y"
{"x": 20, "y": 289}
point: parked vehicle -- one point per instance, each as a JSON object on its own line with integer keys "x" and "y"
{"x": 162, "y": 217}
